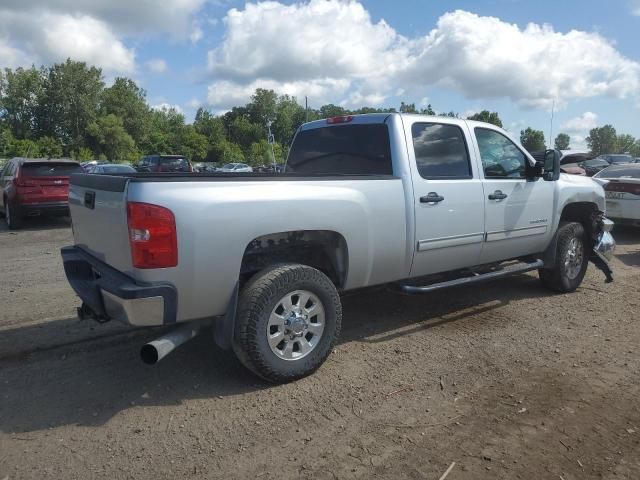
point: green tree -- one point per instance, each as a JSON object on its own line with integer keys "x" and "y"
{"x": 562, "y": 141}
{"x": 289, "y": 116}
{"x": 262, "y": 108}
{"x": 532, "y": 140}
{"x": 49, "y": 147}
{"x": 20, "y": 92}
{"x": 428, "y": 111}
{"x": 625, "y": 143}
{"x": 408, "y": 108}
{"x": 244, "y": 132}
{"x": 112, "y": 139}
{"x": 193, "y": 145}
{"x": 487, "y": 117}
{"x": 228, "y": 152}
{"x": 69, "y": 102}
{"x": 602, "y": 140}
{"x": 331, "y": 110}
{"x": 127, "y": 101}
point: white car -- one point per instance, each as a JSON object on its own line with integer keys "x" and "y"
{"x": 236, "y": 168}
{"x": 622, "y": 192}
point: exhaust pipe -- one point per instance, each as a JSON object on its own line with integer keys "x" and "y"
{"x": 152, "y": 352}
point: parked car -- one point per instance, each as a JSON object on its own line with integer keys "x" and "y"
{"x": 371, "y": 199}
{"x": 236, "y": 168}
{"x": 570, "y": 161}
{"x": 35, "y": 186}
{"x": 622, "y": 192}
{"x": 111, "y": 169}
{"x": 618, "y": 159}
{"x": 164, "y": 163}
{"x": 90, "y": 164}
{"x": 593, "y": 166}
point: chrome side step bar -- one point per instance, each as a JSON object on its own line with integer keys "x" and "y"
{"x": 412, "y": 289}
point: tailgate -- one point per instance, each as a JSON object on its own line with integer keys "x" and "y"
{"x": 98, "y": 206}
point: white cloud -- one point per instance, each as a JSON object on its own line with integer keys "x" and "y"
{"x": 194, "y": 103}
{"x": 156, "y": 65}
{"x": 166, "y": 106}
{"x": 226, "y": 94}
{"x": 635, "y": 7}
{"x": 51, "y": 37}
{"x": 582, "y": 123}
{"x": 196, "y": 34}
{"x": 480, "y": 57}
{"x": 33, "y": 31}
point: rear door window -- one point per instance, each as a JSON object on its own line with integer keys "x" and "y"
{"x": 441, "y": 151}
{"x": 50, "y": 169}
{"x": 342, "y": 150}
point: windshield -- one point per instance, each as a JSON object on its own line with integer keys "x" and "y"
{"x": 620, "y": 172}
{"x": 229, "y": 166}
{"x": 118, "y": 169}
{"x": 342, "y": 150}
{"x": 596, "y": 163}
{"x": 620, "y": 159}
{"x": 50, "y": 169}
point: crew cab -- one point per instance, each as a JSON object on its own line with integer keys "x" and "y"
{"x": 417, "y": 202}
{"x": 33, "y": 187}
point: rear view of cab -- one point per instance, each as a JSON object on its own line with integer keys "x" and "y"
{"x": 35, "y": 187}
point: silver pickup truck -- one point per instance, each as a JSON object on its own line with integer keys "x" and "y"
{"x": 418, "y": 202}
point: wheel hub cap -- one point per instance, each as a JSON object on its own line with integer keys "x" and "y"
{"x": 295, "y": 325}
{"x": 573, "y": 260}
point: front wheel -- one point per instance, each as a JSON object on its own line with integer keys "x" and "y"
{"x": 572, "y": 259}
{"x": 289, "y": 317}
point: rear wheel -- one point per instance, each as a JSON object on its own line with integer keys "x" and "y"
{"x": 12, "y": 217}
{"x": 572, "y": 259}
{"x": 289, "y": 317}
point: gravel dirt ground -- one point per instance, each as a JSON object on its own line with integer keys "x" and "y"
{"x": 506, "y": 379}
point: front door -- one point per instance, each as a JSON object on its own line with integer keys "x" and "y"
{"x": 448, "y": 195}
{"x": 518, "y": 211}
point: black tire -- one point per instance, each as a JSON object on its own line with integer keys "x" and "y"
{"x": 567, "y": 274}
{"x": 12, "y": 217}
{"x": 260, "y": 298}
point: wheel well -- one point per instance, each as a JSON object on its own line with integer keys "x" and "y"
{"x": 322, "y": 249}
{"x": 581, "y": 212}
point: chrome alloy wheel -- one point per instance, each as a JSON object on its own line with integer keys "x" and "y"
{"x": 296, "y": 324}
{"x": 574, "y": 257}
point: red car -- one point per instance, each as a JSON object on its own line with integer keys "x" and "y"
{"x": 34, "y": 186}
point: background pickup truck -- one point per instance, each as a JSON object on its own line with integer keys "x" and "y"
{"x": 423, "y": 202}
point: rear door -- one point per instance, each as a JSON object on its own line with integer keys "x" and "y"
{"x": 448, "y": 195}
{"x": 518, "y": 211}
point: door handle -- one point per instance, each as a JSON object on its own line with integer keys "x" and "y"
{"x": 497, "y": 195}
{"x": 432, "y": 197}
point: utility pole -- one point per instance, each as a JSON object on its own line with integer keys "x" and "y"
{"x": 306, "y": 109}
{"x": 553, "y": 107}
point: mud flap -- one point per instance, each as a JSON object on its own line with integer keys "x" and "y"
{"x": 223, "y": 327}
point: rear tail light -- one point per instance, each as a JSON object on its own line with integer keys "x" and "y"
{"x": 152, "y": 236}
{"x": 618, "y": 186}
{"x": 340, "y": 119}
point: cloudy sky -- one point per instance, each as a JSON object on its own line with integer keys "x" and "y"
{"x": 515, "y": 56}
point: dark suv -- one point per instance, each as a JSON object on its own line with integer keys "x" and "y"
{"x": 35, "y": 186}
{"x": 164, "y": 163}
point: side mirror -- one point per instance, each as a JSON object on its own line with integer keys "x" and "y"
{"x": 551, "y": 165}
{"x": 535, "y": 171}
